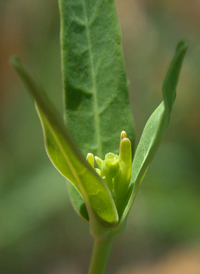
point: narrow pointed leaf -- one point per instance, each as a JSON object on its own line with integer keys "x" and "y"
{"x": 58, "y": 159}
{"x": 94, "y": 77}
{"x": 157, "y": 124}
{"x": 96, "y": 195}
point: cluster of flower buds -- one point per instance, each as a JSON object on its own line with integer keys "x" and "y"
{"x": 115, "y": 170}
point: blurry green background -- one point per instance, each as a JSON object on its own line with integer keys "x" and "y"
{"x": 39, "y": 231}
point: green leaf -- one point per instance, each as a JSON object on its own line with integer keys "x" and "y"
{"x": 156, "y": 125}
{"x": 61, "y": 147}
{"x": 94, "y": 77}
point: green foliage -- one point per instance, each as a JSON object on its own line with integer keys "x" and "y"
{"x": 95, "y": 85}
{"x": 157, "y": 123}
{"x": 107, "y": 201}
{"x": 61, "y": 148}
{"x": 96, "y": 111}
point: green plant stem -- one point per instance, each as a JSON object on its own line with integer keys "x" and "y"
{"x": 101, "y": 251}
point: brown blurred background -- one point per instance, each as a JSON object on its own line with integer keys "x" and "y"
{"x": 39, "y": 231}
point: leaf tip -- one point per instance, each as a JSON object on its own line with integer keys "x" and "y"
{"x": 183, "y": 45}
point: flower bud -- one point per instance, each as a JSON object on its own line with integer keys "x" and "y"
{"x": 110, "y": 166}
{"x": 90, "y": 159}
{"x": 122, "y": 179}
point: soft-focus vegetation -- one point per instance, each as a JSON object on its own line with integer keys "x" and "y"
{"x": 38, "y": 227}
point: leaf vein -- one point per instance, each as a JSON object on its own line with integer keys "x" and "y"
{"x": 95, "y": 99}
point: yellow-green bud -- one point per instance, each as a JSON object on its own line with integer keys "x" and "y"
{"x": 90, "y": 159}
{"x": 110, "y": 166}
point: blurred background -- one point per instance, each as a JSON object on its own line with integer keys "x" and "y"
{"x": 39, "y": 230}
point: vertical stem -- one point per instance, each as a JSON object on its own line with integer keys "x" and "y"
{"x": 100, "y": 255}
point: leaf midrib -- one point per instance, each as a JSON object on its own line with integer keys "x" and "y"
{"x": 95, "y": 99}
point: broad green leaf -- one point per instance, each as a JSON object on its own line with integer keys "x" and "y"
{"x": 97, "y": 106}
{"x": 156, "y": 125}
{"x": 60, "y": 145}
